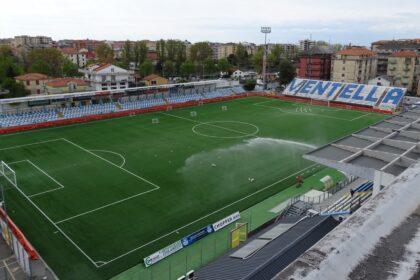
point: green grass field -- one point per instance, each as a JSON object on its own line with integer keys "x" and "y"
{"x": 95, "y": 198}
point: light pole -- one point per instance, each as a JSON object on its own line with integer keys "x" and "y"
{"x": 266, "y": 30}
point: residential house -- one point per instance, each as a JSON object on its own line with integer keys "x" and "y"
{"x": 403, "y": 68}
{"x": 155, "y": 80}
{"x": 354, "y": 65}
{"x": 34, "y": 82}
{"x": 78, "y": 57}
{"x": 106, "y": 77}
{"x": 66, "y": 85}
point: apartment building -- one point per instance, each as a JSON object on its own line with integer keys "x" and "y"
{"x": 354, "y": 65}
{"x": 28, "y": 43}
{"x": 315, "y": 64}
{"x": 225, "y": 50}
{"x": 404, "y": 69}
{"x": 76, "y": 56}
{"x": 385, "y": 48}
{"x": 306, "y": 45}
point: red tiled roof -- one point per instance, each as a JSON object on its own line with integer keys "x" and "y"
{"x": 31, "y": 77}
{"x": 151, "y": 77}
{"x": 356, "y": 52}
{"x": 63, "y": 82}
{"x": 69, "y": 51}
{"x": 404, "y": 54}
{"x": 101, "y": 67}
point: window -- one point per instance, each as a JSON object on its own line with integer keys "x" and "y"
{"x": 112, "y": 78}
{"x": 37, "y": 82}
{"x": 342, "y": 75}
{"x": 344, "y": 68}
{"x": 103, "y": 78}
{"x": 28, "y": 83}
{"x": 112, "y": 70}
{"x": 153, "y": 82}
{"x": 38, "y": 91}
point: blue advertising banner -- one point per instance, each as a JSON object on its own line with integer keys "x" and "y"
{"x": 193, "y": 237}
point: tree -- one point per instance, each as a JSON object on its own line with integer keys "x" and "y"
{"x": 15, "y": 89}
{"x": 275, "y": 57}
{"x": 46, "y": 61}
{"x": 210, "y": 67}
{"x": 161, "y": 50}
{"x": 127, "y": 54}
{"x": 223, "y": 65}
{"x": 105, "y": 53}
{"x": 10, "y": 68}
{"x": 232, "y": 59}
{"x": 169, "y": 68}
{"x": 287, "y": 72}
{"x": 249, "y": 85}
{"x": 69, "y": 69}
{"x": 257, "y": 60}
{"x": 201, "y": 51}
{"x": 187, "y": 68}
{"x": 146, "y": 68}
{"x": 139, "y": 53}
{"x": 242, "y": 57}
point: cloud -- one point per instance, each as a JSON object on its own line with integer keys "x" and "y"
{"x": 236, "y": 20}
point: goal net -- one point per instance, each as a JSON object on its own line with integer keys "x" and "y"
{"x": 7, "y": 173}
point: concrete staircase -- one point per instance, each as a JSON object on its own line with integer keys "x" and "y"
{"x": 298, "y": 208}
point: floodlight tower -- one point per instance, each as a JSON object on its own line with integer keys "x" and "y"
{"x": 265, "y": 30}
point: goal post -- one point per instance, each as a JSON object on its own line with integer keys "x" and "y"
{"x": 8, "y": 173}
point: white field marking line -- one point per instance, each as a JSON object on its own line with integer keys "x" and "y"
{"x": 111, "y": 119}
{"x": 43, "y": 172}
{"x": 111, "y": 152}
{"x": 208, "y": 215}
{"x": 156, "y": 187}
{"x": 104, "y": 206}
{"x": 252, "y": 134}
{"x": 127, "y": 171}
{"x": 30, "y": 144}
{"x": 310, "y": 114}
{"x": 213, "y": 125}
{"x": 57, "y": 227}
{"x": 359, "y": 117}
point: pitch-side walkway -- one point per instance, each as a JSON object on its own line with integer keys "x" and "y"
{"x": 10, "y": 269}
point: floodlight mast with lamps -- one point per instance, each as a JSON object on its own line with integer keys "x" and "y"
{"x": 266, "y": 30}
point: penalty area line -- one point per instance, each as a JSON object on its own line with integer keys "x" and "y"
{"x": 208, "y": 215}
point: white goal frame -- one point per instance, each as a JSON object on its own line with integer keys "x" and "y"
{"x": 3, "y": 168}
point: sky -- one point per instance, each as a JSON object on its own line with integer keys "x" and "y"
{"x": 357, "y": 21}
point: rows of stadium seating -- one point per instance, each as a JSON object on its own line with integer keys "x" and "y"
{"x": 141, "y": 103}
{"x": 47, "y": 115}
{"x": 181, "y": 98}
{"x": 386, "y": 98}
{"x": 347, "y": 203}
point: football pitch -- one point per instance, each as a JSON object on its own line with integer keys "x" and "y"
{"x": 95, "y": 198}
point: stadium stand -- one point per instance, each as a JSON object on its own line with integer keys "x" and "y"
{"x": 269, "y": 250}
{"x": 349, "y": 203}
{"x": 173, "y": 95}
{"x": 377, "y": 97}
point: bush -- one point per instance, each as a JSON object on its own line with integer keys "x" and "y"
{"x": 249, "y": 85}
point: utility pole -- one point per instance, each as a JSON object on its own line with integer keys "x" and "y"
{"x": 265, "y": 30}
